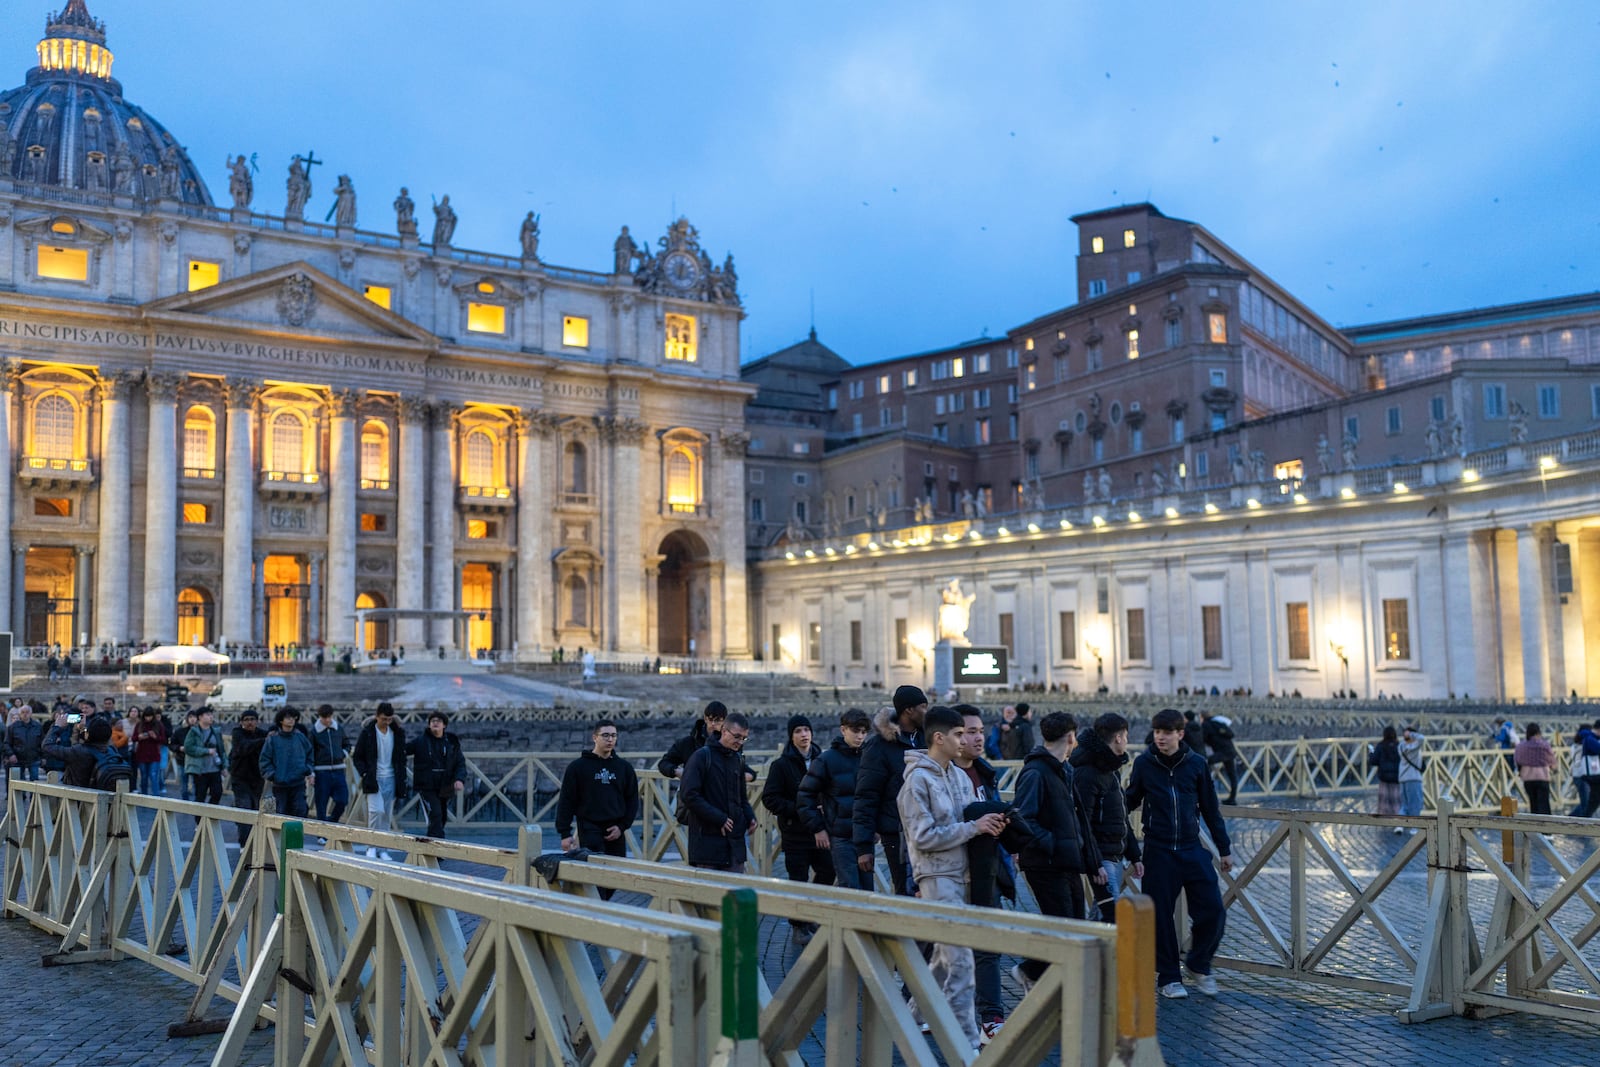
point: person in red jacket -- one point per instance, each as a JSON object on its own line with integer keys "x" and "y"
{"x": 149, "y": 742}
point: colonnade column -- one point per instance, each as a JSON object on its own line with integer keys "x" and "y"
{"x": 238, "y": 515}
{"x": 1541, "y": 635}
{"x": 625, "y": 505}
{"x": 111, "y": 588}
{"x": 411, "y": 523}
{"x": 344, "y": 472}
{"x": 83, "y": 561}
{"x": 161, "y": 511}
{"x": 17, "y": 602}
{"x": 442, "y": 531}
{"x": 9, "y": 581}
{"x": 256, "y": 625}
{"x": 535, "y": 496}
{"x": 315, "y": 567}
{"x": 735, "y": 635}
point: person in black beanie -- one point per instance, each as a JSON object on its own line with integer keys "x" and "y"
{"x": 875, "y": 814}
{"x": 780, "y": 796}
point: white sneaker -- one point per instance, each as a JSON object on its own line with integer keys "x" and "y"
{"x": 1398, "y": 830}
{"x": 1019, "y": 976}
{"x": 1173, "y": 991}
{"x": 372, "y": 853}
{"x": 1205, "y": 983}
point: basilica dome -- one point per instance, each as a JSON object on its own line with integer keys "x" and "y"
{"x": 69, "y": 128}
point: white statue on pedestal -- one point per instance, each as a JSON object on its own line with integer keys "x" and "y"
{"x": 955, "y": 613}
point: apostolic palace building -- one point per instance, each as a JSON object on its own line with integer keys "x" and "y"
{"x": 233, "y": 424}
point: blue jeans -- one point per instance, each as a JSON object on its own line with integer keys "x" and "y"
{"x": 1188, "y": 871}
{"x": 27, "y": 772}
{"x": 1106, "y": 895}
{"x": 331, "y": 786}
{"x": 291, "y": 799}
{"x": 150, "y": 783}
{"x": 845, "y": 858}
{"x": 1411, "y": 798}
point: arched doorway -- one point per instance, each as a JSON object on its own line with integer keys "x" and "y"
{"x": 287, "y": 595}
{"x": 194, "y": 616}
{"x": 477, "y": 596}
{"x": 376, "y": 637}
{"x": 683, "y": 596}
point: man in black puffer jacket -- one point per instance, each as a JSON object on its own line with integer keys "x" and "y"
{"x": 1065, "y": 850}
{"x": 439, "y": 770}
{"x": 801, "y": 855}
{"x": 876, "y": 813}
{"x": 706, "y": 727}
{"x": 827, "y": 796}
{"x": 716, "y": 810}
{"x": 1097, "y": 775}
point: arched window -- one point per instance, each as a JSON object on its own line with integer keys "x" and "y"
{"x": 194, "y": 616}
{"x": 54, "y": 427}
{"x": 288, "y": 443}
{"x": 577, "y": 601}
{"x": 577, "y": 468}
{"x": 199, "y": 443}
{"x": 374, "y": 455}
{"x": 478, "y": 465}
{"x": 683, "y": 489}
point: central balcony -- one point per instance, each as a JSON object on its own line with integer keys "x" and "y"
{"x": 292, "y": 485}
{"x": 46, "y": 472}
{"x": 485, "y": 498}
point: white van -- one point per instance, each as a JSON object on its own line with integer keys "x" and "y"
{"x": 263, "y": 694}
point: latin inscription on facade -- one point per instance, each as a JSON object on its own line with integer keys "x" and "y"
{"x": 281, "y": 518}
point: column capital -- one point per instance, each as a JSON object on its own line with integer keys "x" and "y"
{"x": 162, "y": 388}
{"x": 342, "y": 403}
{"x": 241, "y": 392}
{"x": 735, "y": 443}
{"x": 116, "y": 385}
{"x": 414, "y": 409}
{"x": 84, "y": 550}
{"x": 316, "y": 559}
{"x": 621, "y": 429}
{"x": 19, "y": 548}
{"x": 10, "y": 374}
{"x": 536, "y": 423}
{"x": 445, "y": 413}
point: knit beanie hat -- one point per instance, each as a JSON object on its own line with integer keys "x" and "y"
{"x": 99, "y": 732}
{"x": 795, "y": 722}
{"x": 908, "y": 696}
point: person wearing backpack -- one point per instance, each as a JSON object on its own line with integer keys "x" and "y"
{"x": 1586, "y": 769}
{"x": 202, "y": 758}
{"x": 1410, "y": 775}
{"x": 93, "y": 764}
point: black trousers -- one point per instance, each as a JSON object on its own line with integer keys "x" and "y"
{"x": 593, "y": 838}
{"x": 1230, "y": 767}
{"x": 247, "y": 797}
{"x": 1054, "y": 893}
{"x": 1538, "y": 797}
{"x": 207, "y": 787}
{"x": 434, "y": 805}
{"x": 808, "y": 863}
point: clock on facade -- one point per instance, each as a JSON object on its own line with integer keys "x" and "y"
{"x": 681, "y": 270}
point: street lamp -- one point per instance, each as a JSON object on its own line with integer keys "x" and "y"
{"x": 1339, "y": 643}
{"x": 1097, "y": 638}
{"x": 922, "y": 644}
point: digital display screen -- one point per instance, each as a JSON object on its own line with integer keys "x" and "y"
{"x": 981, "y": 666}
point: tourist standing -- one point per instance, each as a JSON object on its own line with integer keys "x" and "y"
{"x": 803, "y": 859}
{"x": 712, "y": 798}
{"x": 1173, "y": 786}
{"x": 1587, "y": 742}
{"x": 1534, "y": 758}
{"x": 244, "y": 768}
{"x": 24, "y": 744}
{"x": 827, "y": 796}
{"x": 875, "y": 813}
{"x": 149, "y": 741}
{"x": 202, "y": 758}
{"x": 1385, "y": 757}
{"x": 380, "y": 759}
{"x": 600, "y": 793}
{"x": 190, "y": 720}
{"x": 990, "y": 873}
{"x": 1410, "y": 774}
{"x": 1217, "y": 729}
{"x": 439, "y": 770}
{"x": 1097, "y": 777}
{"x": 285, "y": 763}
{"x": 328, "y": 745}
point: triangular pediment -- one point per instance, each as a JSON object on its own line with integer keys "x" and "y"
{"x": 295, "y": 298}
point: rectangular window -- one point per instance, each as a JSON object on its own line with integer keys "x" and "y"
{"x": 855, "y": 640}
{"x": 980, "y": 431}
{"x": 902, "y": 643}
{"x": 1136, "y": 647}
{"x": 482, "y": 529}
{"x": 66, "y": 264}
{"x": 855, "y": 422}
{"x": 1211, "y": 631}
{"x": 1097, "y": 287}
{"x": 814, "y": 642}
{"x": 980, "y": 362}
{"x": 1217, "y": 327}
{"x": 381, "y": 295}
{"x": 911, "y": 378}
{"x": 195, "y": 514}
{"x": 941, "y": 431}
{"x": 203, "y": 275}
{"x": 1297, "y": 616}
{"x": 758, "y": 509}
{"x": 958, "y": 367}
{"x": 883, "y": 384}
{"x": 1008, "y": 632}
{"x": 1067, "y": 627}
{"x": 857, "y": 389}
{"x": 1352, "y": 427}
{"x": 939, "y": 403}
{"x": 1097, "y": 245}
{"x": 1436, "y": 408}
{"x": 1219, "y": 377}
{"x": 801, "y": 478}
{"x": 800, "y": 511}
{"x": 757, "y": 476}
{"x": 1134, "y": 276}
{"x": 1392, "y": 419}
{"x": 1396, "y": 629}
{"x": 980, "y": 398}
{"x": 1219, "y": 421}
{"x": 1174, "y": 333}
{"x": 1091, "y": 353}
{"x": 939, "y": 370}
{"x": 1549, "y": 401}
{"x": 833, "y": 398}
{"x": 1011, "y": 359}
{"x": 1202, "y": 464}
{"x": 885, "y": 417}
{"x": 1127, "y": 238}
{"x": 574, "y": 331}
{"x": 488, "y": 318}
{"x": 374, "y": 522}
{"x": 1494, "y": 401}
{"x": 1133, "y": 344}
{"x": 776, "y": 647}
{"x": 54, "y": 507}
{"x": 683, "y": 342}
{"x": 1594, "y": 401}
{"x": 1011, "y": 426}
{"x": 958, "y": 402}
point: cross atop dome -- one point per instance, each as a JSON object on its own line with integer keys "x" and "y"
{"x": 74, "y": 41}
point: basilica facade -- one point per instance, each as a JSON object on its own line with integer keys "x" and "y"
{"x": 235, "y": 425}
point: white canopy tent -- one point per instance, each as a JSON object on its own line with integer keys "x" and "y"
{"x": 177, "y": 656}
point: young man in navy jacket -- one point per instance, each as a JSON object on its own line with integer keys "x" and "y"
{"x": 1173, "y": 786}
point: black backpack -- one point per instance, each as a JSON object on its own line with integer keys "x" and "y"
{"x": 111, "y": 767}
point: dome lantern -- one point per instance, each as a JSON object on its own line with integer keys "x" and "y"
{"x": 75, "y": 43}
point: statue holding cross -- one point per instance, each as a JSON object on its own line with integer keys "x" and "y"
{"x": 300, "y": 184}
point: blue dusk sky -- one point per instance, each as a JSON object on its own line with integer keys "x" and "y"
{"x": 913, "y": 166}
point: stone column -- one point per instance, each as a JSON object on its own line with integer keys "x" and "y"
{"x": 111, "y": 588}
{"x": 314, "y": 588}
{"x": 344, "y": 474}
{"x": 18, "y": 598}
{"x": 161, "y": 511}
{"x": 411, "y": 523}
{"x": 238, "y": 515}
{"x": 80, "y": 592}
{"x": 624, "y": 507}
{"x": 1469, "y": 625}
{"x": 256, "y": 626}
{"x": 1541, "y": 637}
{"x": 9, "y": 371}
{"x": 442, "y": 530}
{"x": 729, "y": 511}
{"x": 534, "y": 499}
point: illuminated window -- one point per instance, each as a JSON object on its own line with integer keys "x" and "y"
{"x": 65, "y": 227}
{"x": 486, "y": 318}
{"x": 1133, "y": 344}
{"x": 288, "y": 439}
{"x": 374, "y": 522}
{"x": 980, "y": 431}
{"x": 1128, "y": 239}
{"x": 482, "y": 529}
{"x": 577, "y": 468}
{"x": 203, "y": 275}
{"x": 574, "y": 331}
{"x": 1396, "y": 629}
{"x": 374, "y": 455}
{"x": 54, "y": 427}
{"x": 66, "y": 264}
{"x": 958, "y": 367}
{"x": 194, "y": 617}
{"x": 1217, "y": 327}
{"x": 199, "y": 443}
{"x": 52, "y": 507}
{"x": 195, "y": 514}
{"x": 681, "y": 344}
{"x": 1097, "y": 244}
{"x": 1031, "y": 377}
{"x": 911, "y": 378}
{"x": 1298, "y": 628}
{"x": 478, "y": 468}
{"x": 814, "y": 642}
{"x": 683, "y": 488}
{"x": 381, "y": 295}
{"x": 883, "y": 384}
{"x": 486, "y": 288}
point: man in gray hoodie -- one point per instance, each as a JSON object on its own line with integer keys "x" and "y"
{"x": 932, "y": 798}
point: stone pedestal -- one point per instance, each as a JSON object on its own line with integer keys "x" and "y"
{"x": 944, "y": 666}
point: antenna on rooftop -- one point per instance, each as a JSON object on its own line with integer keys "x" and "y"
{"x": 813, "y": 313}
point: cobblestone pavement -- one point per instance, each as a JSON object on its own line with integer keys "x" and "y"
{"x": 1256, "y": 1019}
